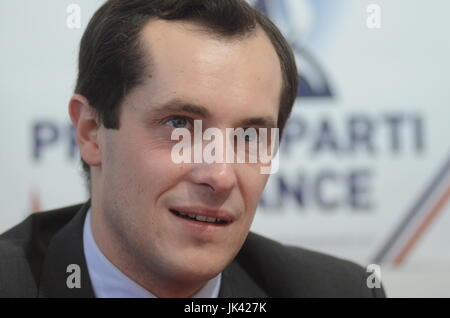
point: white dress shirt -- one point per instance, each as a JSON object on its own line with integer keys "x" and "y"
{"x": 109, "y": 282}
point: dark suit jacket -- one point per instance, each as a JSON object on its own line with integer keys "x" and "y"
{"x": 35, "y": 254}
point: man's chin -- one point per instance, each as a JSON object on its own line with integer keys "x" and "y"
{"x": 198, "y": 270}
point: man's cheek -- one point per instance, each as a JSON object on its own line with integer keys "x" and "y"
{"x": 259, "y": 182}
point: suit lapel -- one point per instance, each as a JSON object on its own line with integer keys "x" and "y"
{"x": 65, "y": 249}
{"x": 237, "y": 283}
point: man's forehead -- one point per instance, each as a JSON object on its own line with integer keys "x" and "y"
{"x": 189, "y": 68}
{"x": 184, "y": 40}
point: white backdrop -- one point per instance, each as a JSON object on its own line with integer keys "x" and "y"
{"x": 365, "y": 163}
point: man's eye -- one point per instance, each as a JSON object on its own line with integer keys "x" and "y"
{"x": 178, "y": 122}
{"x": 250, "y": 134}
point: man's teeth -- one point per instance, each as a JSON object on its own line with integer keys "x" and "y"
{"x": 201, "y": 218}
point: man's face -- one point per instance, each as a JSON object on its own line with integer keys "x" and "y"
{"x": 227, "y": 83}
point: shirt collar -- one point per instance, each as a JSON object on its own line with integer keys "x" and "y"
{"x": 109, "y": 282}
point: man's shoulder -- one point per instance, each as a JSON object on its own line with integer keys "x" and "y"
{"x": 38, "y": 227}
{"x": 23, "y": 248}
{"x": 286, "y": 256}
{"x": 291, "y": 271}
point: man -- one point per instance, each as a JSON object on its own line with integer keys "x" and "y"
{"x": 152, "y": 227}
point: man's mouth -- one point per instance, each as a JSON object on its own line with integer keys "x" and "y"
{"x": 199, "y": 218}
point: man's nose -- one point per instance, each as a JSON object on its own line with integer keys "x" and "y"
{"x": 220, "y": 178}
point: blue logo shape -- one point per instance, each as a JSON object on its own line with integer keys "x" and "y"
{"x": 301, "y": 21}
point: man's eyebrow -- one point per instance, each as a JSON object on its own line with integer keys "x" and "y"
{"x": 266, "y": 122}
{"x": 177, "y": 105}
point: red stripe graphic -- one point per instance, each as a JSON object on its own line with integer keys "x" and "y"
{"x": 35, "y": 205}
{"x": 437, "y": 208}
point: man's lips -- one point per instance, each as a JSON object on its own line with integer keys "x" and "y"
{"x": 202, "y": 214}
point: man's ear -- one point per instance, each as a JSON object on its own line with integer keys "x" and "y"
{"x": 87, "y": 128}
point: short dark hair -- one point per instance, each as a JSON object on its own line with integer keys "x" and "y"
{"x": 111, "y": 58}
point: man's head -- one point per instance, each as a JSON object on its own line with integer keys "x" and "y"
{"x": 146, "y": 68}
{"x": 111, "y": 60}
